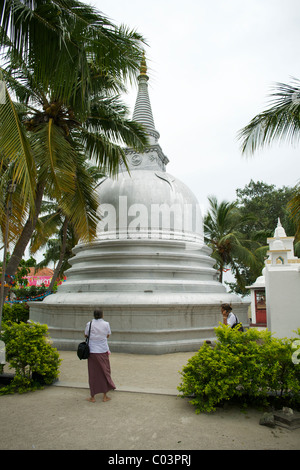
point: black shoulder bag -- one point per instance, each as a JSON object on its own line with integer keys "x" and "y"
{"x": 83, "y": 350}
{"x": 238, "y": 325}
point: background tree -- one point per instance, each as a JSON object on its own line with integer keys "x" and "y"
{"x": 260, "y": 205}
{"x": 293, "y": 206}
{"x": 230, "y": 247}
{"x": 24, "y": 270}
{"x": 266, "y": 204}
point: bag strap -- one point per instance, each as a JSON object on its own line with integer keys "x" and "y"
{"x": 87, "y": 339}
{"x": 237, "y": 321}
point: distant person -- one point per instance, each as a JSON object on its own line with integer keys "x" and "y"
{"x": 100, "y": 380}
{"x": 229, "y": 318}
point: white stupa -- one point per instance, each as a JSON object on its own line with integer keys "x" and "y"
{"x": 149, "y": 268}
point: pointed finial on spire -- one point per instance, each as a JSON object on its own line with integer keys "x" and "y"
{"x": 279, "y": 231}
{"x": 143, "y": 69}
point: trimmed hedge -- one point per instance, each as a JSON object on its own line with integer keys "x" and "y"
{"x": 15, "y": 313}
{"x": 28, "y": 352}
{"x": 251, "y": 367}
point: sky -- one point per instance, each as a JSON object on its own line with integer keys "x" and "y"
{"x": 212, "y": 65}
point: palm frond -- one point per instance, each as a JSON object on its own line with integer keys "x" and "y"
{"x": 281, "y": 122}
{"x": 81, "y": 206}
{"x": 15, "y": 147}
{"x": 100, "y": 149}
{"x": 60, "y": 39}
{"x": 55, "y": 156}
{"x": 109, "y": 117}
{"x": 46, "y": 227}
{"x": 18, "y": 208}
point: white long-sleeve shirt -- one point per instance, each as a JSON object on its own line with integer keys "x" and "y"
{"x": 98, "y": 336}
{"x": 232, "y": 319}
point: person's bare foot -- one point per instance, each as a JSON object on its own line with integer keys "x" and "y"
{"x": 106, "y": 398}
{"x": 91, "y": 399}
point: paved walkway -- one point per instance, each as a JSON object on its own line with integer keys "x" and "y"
{"x": 158, "y": 374}
{"x": 144, "y": 413}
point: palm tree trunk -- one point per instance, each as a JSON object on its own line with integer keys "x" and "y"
{"x": 221, "y": 273}
{"x": 62, "y": 254}
{"x": 26, "y": 234}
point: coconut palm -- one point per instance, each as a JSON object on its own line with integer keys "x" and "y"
{"x": 59, "y": 39}
{"x": 64, "y": 43}
{"x": 280, "y": 122}
{"x": 66, "y": 66}
{"x": 229, "y": 246}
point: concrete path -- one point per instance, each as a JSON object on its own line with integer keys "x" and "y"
{"x": 144, "y": 413}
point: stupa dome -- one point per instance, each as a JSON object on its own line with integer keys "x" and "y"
{"x": 149, "y": 204}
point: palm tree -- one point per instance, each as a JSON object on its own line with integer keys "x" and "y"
{"x": 67, "y": 65}
{"x": 229, "y": 246}
{"x": 281, "y": 122}
{"x": 63, "y": 43}
{"x": 58, "y": 249}
{"x": 59, "y": 39}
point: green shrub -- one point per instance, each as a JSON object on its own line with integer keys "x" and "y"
{"x": 34, "y": 360}
{"x": 15, "y": 312}
{"x": 251, "y": 366}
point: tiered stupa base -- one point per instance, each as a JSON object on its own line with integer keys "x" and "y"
{"x": 152, "y": 324}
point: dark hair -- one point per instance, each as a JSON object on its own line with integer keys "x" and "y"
{"x": 226, "y": 307}
{"x": 98, "y": 313}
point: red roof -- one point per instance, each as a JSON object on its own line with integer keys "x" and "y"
{"x": 40, "y": 272}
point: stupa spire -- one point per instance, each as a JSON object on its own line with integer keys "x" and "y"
{"x": 279, "y": 231}
{"x": 142, "y": 111}
{"x": 152, "y": 158}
